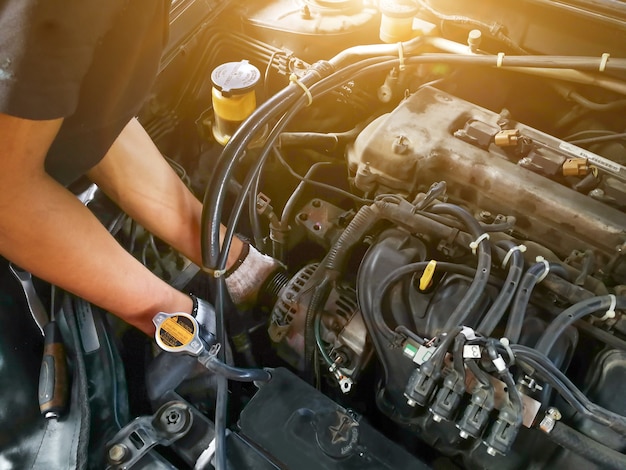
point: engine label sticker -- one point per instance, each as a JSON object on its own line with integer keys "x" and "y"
{"x": 177, "y": 331}
{"x": 597, "y": 160}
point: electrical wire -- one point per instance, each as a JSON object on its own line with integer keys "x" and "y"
{"x": 604, "y": 138}
{"x": 319, "y": 184}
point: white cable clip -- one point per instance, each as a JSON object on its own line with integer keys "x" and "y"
{"x": 610, "y": 313}
{"x": 216, "y": 273}
{"x": 546, "y": 263}
{"x": 506, "y": 344}
{"x": 468, "y": 332}
{"x": 475, "y": 243}
{"x": 294, "y": 79}
{"x": 603, "y": 61}
{"x": 500, "y": 59}
{"x": 401, "y": 67}
{"x": 520, "y": 248}
{"x": 499, "y": 363}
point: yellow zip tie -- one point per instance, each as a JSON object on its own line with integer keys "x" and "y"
{"x": 215, "y": 272}
{"x": 401, "y": 67}
{"x": 603, "y": 61}
{"x": 427, "y": 275}
{"x": 294, "y": 79}
{"x": 499, "y": 59}
{"x": 475, "y": 243}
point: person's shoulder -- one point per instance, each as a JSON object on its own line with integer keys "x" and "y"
{"x": 46, "y": 49}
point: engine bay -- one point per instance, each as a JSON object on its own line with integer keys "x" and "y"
{"x": 444, "y": 183}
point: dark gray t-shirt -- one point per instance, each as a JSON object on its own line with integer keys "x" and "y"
{"x": 88, "y": 61}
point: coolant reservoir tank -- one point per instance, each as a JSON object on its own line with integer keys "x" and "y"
{"x": 233, "y": 96}
{"x": 396, "y": 23}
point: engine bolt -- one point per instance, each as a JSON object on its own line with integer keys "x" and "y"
{"x": 554, "y": 413}
{"x": 411, "y": 402}
{"x": 437, "y": 418}
{"x": 491, "y": 451}
{"x": 400, "y": 145}
{"x": 117, "y": 453}
{"x": 463, "y": 435}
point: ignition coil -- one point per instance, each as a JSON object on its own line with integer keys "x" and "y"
{"x": 503, "y": 432}
{"x": 449, "y": 396}
{"x": 476, "y": 414}
{"x": 421, "y": 384}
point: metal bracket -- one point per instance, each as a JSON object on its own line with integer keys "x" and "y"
{"x": 172, "y": 421}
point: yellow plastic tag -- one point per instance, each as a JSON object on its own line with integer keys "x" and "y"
{"x": 427, "y": 276}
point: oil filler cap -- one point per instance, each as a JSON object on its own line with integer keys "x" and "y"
{"x": 177, "y": 333}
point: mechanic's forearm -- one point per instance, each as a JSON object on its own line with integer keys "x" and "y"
{"x": 45, "y": 230}
{"x": 142, "y": 183}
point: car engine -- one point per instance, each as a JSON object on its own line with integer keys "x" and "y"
{"x": 444, "y": 183}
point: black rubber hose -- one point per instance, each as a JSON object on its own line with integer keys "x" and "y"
{"x": 539, "y": 364}
{"x": 214, "y": 207}
{"x": 215, "y": 194}
{"x": 395, "y": 276}
{"x": 499, "y": 306}
{"x": 472, "y": 296}
{"x": 574, "y": 313}
{"x": 358, "y": 227}
{"x": 532, "y": 277}
{"x": 591, "y": 450}
{"x": 236, "y": 373}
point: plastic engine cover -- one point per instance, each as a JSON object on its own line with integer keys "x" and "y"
{"x": 301, "y": 428}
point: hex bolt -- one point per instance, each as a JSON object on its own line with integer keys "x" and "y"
{"x": 437, "y": 418}
{"x": 117, "y": 453}
{"x": 485, "y": 216}
{"x": 463, "y": 435}
{"x": 491, "y": 451}
{"x": 316, "y": 203}
{"x": 411, "y": 402}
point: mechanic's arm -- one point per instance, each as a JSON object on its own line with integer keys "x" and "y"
{"x": 142, "y": 183}
{"x": 46, "y": 230}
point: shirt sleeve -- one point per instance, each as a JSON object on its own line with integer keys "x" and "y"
{"x": 46, "y": 47}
